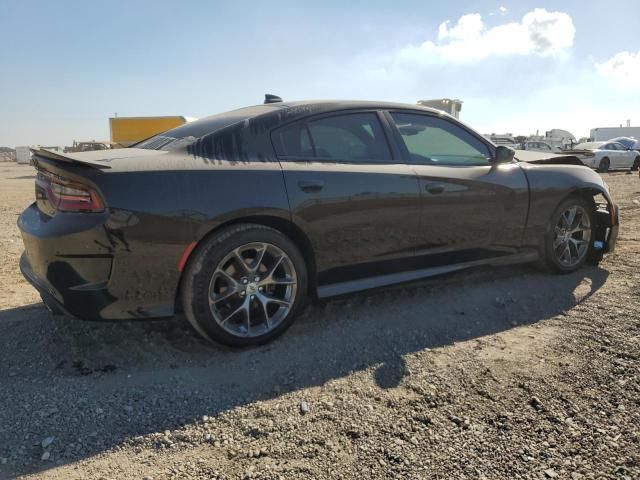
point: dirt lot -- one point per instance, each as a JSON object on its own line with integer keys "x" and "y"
{"x": 493, "y": 373}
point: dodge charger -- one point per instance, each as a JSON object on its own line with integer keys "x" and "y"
{"x": 238, "y": 219}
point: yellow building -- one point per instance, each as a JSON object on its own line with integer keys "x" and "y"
{"x": 126, "y": 131}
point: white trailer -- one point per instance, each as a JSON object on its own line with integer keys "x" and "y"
{"x": 603, "y": 134}
{"x": 23, "y": 155}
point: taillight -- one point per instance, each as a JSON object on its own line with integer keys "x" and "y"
{"x": 67, "y": 196}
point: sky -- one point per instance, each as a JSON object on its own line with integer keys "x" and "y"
{"x": 519, "y": 67}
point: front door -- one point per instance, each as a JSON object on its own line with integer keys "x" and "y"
{"x": 348, "y": 190}
{"x": 471, "y": 207}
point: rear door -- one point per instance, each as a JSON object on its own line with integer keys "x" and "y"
{"x": 471, "y": 208}
{"x": 350, "y": 191}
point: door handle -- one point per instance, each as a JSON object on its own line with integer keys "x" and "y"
{"x": 434, "y": 188}
{"x": 311, "y": 185}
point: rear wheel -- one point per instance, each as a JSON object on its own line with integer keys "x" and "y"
{"x": 244, "y": 285}
{"x": 604, "y": 165}
{"x": 568, "y": 237}
{"x": 636, "y": 164}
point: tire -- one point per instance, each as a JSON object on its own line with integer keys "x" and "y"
{"x": 231, "y": 298}
{"x": 604, "y": 165}
{"x": 557, "y": 236}
{"x": 636, "y": 164}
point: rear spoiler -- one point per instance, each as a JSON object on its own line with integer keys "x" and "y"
{"x": 68, "y": 158}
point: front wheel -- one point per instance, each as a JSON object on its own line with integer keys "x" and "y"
{"x": 244, "y": 285}
{"x": 568, "y": 238}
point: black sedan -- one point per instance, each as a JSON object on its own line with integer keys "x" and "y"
{"x": 240, "y": 218}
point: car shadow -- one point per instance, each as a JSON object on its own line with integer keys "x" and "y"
{"x": 109, "y": 382}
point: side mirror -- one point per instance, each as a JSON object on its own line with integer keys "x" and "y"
{"x": 503, "y": 154}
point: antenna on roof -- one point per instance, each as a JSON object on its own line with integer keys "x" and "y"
{"x": 268, "y": 98}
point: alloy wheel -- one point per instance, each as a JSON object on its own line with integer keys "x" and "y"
{"x": 572, "y": 236}
{"x": 252, "y": 289}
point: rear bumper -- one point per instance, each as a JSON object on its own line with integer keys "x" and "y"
{"x": 64, "y": 261}
{"x": 82, "y": 266}
{"x": 46, "y": 292}
{"x": 86, "y": 305}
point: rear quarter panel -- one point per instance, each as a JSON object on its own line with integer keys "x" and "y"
{"x": 154, "y": 215}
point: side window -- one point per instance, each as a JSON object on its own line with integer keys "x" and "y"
{"x": 438, "y": 141}
{"x": 294, "y": 142}
{"x": 356, "y": 137}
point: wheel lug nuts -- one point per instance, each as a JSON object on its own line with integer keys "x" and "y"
{"x": 244, "y": 280}
{"x": 259, "y": 289}
{"x": 256, "y": 279}
{"x": 252, "y": 297}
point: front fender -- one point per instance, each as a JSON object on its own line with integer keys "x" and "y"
{"x": 550, "y": 184}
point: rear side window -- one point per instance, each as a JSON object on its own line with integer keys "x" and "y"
{"x": 295, "y": 141}
{"x": 432, "y": 140}
{"x": 355, "y": 137}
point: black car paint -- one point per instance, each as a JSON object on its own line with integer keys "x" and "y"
{"x": 359, "y": 225}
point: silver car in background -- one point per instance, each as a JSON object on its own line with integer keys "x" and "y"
{"x": 609, "y": 155}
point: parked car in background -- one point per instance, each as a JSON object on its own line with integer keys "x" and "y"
{"x": 538, "y": 146}
{"x": 240, "y": 218}
{"x": 88, "y": 146}
{"x": 506, "y": 140}
{"x": 609, "y": 155}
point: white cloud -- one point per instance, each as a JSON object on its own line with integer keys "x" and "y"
{"x": 540, "y": 32}
{"x": 503, "y": 9}
{"x": 468, "y": 28}
{"x": 623, "y": 68}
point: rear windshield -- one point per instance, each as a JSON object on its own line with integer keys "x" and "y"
{"x": 183, "y": 136}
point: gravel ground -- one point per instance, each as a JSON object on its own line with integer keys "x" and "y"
{"x": 491, "y": 373}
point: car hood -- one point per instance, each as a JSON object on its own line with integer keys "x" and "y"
{"x": 570, "y": 157}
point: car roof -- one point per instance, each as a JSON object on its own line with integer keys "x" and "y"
{"x": 281, "y": 112}
{"x": 298, "y": 109}
{"x": 354, "y": 104}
